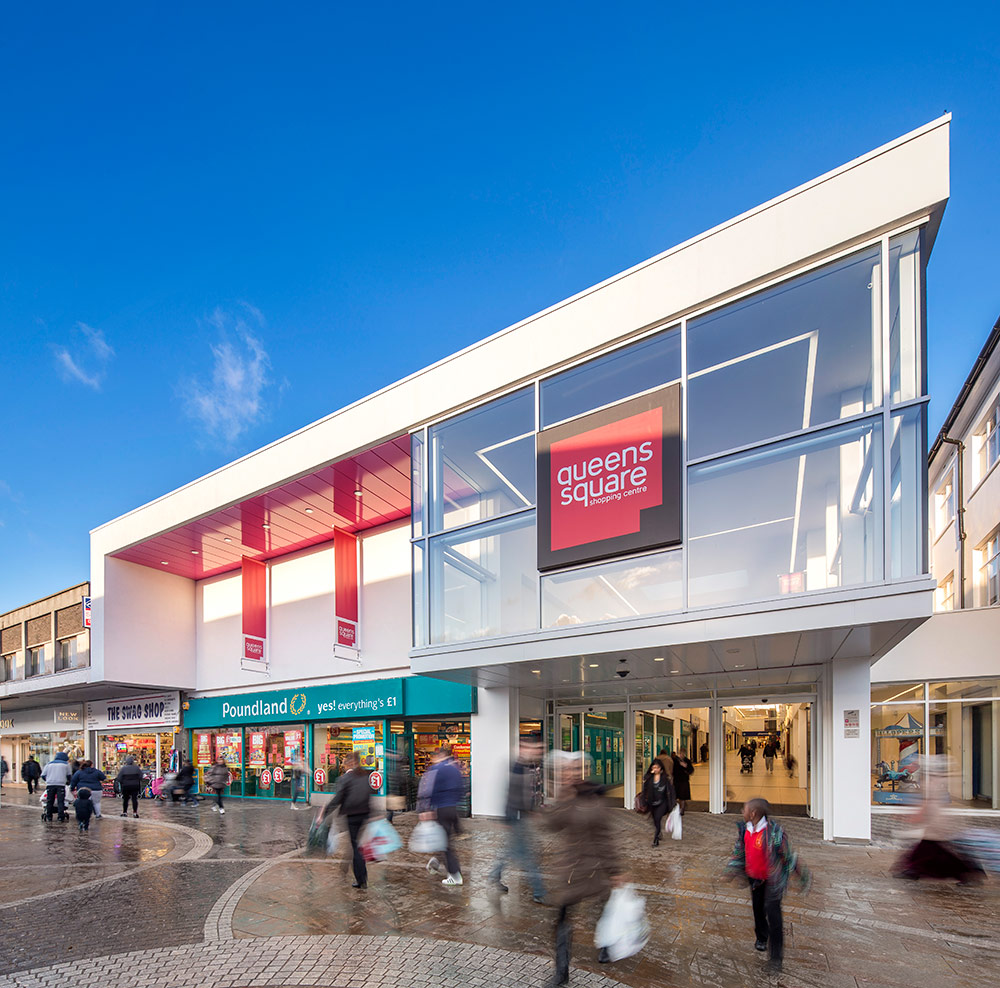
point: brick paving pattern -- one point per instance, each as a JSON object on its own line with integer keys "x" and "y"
{"x": 186, "y": 897}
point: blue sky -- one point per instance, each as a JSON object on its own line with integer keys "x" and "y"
{"x": 219, "y": 222}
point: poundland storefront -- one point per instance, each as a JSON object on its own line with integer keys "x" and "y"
{"x": 393, "y": 725}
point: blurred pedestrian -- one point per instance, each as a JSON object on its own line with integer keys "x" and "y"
{"x": 586, "y": 859}
{"x": 935, "y": 854}
{"x": 704, "y": 751}
{"x": 56, "y": 775}
{"x": 298, "y": 781}
{"x": 217, "y": 778}
{"x": 183, "y": 784}
{"x": 31, "y": 772}
{"x": 770, "y": 749}
{"x": 87, "y": 775}
{"x": 658, "y": 791}
{"x": 4, "y": 769}
{"x": 682, "y": 769}
{"x": 444, "y": 791}
{"x": 763, "y": 854}
{"x": 84, "y": 807}
{"x": 353, "y": 800}
{"x": 523, "y": 797}
{"x": 129, "y": 783}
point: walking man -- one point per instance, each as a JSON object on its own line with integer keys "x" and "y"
{"x": 353, "y": 799}
{"x": 31, "y": 772}
{"x": 446, "y": 791}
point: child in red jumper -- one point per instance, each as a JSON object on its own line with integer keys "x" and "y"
{"x": 764, "y": 855}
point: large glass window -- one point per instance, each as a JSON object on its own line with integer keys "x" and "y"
{"x": 944, "y": 505}
{"x": 621, "y": 588}
{"x": 896, "y": 752}
{"x": 34, "y": 664}
{"x": 483, "y": 462}
{"x": 989, "y": 570}
{"x": 906, "y": 378}
{"x": 797, "y": 355}
{"x": 333, "y": 742}
{"x": 907, "y": 469}
{"x": 417, "y": 478}
{"x": 986, "y": 449}
{"x": 648, "y": 364}
{"x": 7, "y": 668}
{"x": 269, "y": 748}
{"x": 419, "y": 596}
{"x": 484, "y": 581}
{"x": 800, "y": 515}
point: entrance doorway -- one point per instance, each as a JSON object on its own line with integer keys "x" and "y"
{"x": 768, "y": 753}
{"x": 674, "y": 730}
{"x": 598, "y": 733}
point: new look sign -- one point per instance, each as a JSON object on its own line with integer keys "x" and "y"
{"x": 610, "y": 482}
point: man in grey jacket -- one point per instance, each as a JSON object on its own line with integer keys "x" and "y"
{"x": 56, "y": 775}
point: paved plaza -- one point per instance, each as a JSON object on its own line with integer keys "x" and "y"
{"x": 184, "y": 897}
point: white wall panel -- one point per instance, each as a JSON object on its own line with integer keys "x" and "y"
{"x": 385, "y": 602}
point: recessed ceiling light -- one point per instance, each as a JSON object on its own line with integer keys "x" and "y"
{"x": 659, "y": 658}
{"x": 536, "y": 672}
{"x": 227, "y": 539}
{"x": 265, "y": 525}
{"x": 742, "y": 680}
{"x": 733, "y": 651}
{"x": 674, "y": 672}
{"x": 163, "y": 562}
{"x": 358, "y": 492}
{"x": 194, "y": 552}
{"x": 740, "y": 665}
{"x": 690, "y": 684}
{"x": 309, "y": 511}
{"x": 594, "y": 665}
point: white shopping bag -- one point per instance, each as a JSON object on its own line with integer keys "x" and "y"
{"x": 623, "y": 928}
{"x": 332, "y": 839}
{"x": 674, "y": 825}
{"x": 428, "y": 837}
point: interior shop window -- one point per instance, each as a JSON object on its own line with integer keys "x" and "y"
{"x": 430, "y": 735}
{"x": 625, "y": 588}
{"x": 332, "y": 743}
{"x": 115, "y": 748}
{"x": 944, "y": 596}
{"x": 484, "y": 581}
{"x": 906, "y": 343}
{"x": 896, "y": 752}
{"x": 962, "y": 733}
{"x": 65, "y": 654}
{"x": 796, "y": 516}
{"x": 483, "y": 462}
{"x": 7, "y": 668}
{"x": 228, "y": 743}
{"x": 907, "y": 465}
{"x": 34, "y": 662}
{"x": 269, "y": 749}
{"x": 898, "y": 693}
{"x": 989, "y": 570}
{"x": 944, "y": 505}
{"x": 650, "y": 363}
{"x": 794, "y": 356}
{"x": 986, "y": 445}
{"x": 965, "y": 689}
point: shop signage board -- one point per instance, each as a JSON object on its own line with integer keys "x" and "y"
{"x": 610, "y": 482}
{"x": 253, "y": 648}
{"x": 130, "y": 712}
{"x": 43, "y": 720}
{"x": 375, "y": 780}
{"x": 852, "y": 723}
{"x": 378, "y": 698}
{"x": 265, "y": 779}
{"x": 279, "y": 775}
{"x": 319, "y": 777}
{"x": 88, "y": 603}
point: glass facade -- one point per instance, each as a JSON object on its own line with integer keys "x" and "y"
{"x": 958, "y": 721}
{"x": 804, "y": 437}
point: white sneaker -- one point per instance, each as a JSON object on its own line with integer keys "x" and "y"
{"x": 222, "y": 812}
{"x": 433, "y": 865}
{"x": 453, "y": 880}
{"x": 215, "y": 809}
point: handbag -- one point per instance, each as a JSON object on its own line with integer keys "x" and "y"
{"x": 640, "y": 804}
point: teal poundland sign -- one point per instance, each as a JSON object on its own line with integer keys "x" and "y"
{"x": 378, "y": 698}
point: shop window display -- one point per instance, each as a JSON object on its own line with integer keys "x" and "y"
{"x": 333, "y": 742}
{"x": 270, "y": 748}
{"x": 209, "y": 746}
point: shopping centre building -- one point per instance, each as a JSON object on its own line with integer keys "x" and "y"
{"x": 682, "y": 509}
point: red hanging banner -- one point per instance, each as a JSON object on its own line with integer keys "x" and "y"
{"x": 254, "y": 598}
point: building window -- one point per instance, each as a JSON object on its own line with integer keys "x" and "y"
{"x": 906, "y": 337}
{"x": 34, "y": 664}
{"x": 989, "y": 571}
{"x": 65, "y": 654}
{"x": 944, "y": 596}
{"x": 7, "y": 668}
{"x": 987, "y": 443}
{"x": 944, "y": 505}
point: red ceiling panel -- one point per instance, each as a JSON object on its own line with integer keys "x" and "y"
{"x": 294, "y": 516}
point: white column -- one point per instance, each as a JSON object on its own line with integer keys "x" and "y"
{"x": 848, "y": 762}
{"x": 716, "y": 759}
{"x": 494, "y": 742}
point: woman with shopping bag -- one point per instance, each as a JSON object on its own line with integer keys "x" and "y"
{"x": 658, "y": 794}
{"x": 587, "y": 859}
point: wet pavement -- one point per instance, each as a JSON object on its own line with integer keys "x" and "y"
{"x": 184, "y": 896}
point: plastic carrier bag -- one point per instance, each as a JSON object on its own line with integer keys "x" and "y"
{"x": 319, "y": 835}
{"x": 378, "y": 839}
{"x": 428, "y": 837}
{"x": 623, "y": 928}
{"x": 675, "y": 823}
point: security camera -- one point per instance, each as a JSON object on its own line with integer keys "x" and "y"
{"x": 622, "y": 673}
{"x": 764, "y": 700}
{"x": 591, "y": 709}
{"x": 669, "y": 704}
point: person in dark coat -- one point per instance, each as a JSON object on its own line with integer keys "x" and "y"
{"x": 87, "y": 775}
{"x": 31, "y": 772}
{"x": 4, "y": 769}
{"x": 446, "y": 791}
{"x": 658, "y": 792}
{"x": 129, "y": 783}
{"x": 183, "y": 784}
{"x": 84, "y": 807}
{"x": 586, "y": 859}
{"x": 682, "y": 769}
{"x": 353, "y": 799}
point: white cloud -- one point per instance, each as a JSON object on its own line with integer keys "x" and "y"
{"x": 88, "y": 362}
{"x": 233, "y": 400}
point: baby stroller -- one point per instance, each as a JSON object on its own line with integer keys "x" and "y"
{"x": 63, "y": 817}
{"x": 747, "y": 763}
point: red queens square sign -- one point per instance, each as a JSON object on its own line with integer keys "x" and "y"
{"x": 610, "y": 482}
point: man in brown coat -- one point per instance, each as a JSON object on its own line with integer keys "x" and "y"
{"x": 586, "y": 861}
